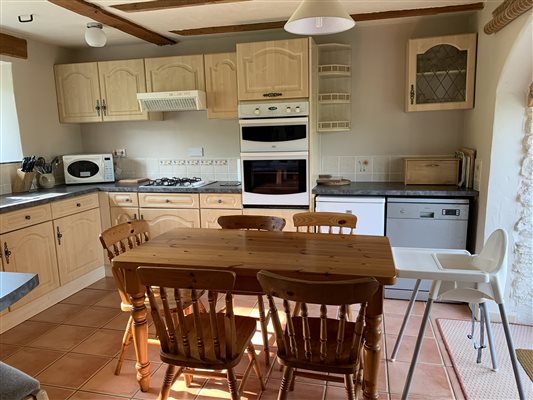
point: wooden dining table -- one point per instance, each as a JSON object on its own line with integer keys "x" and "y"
{"x": 303, "y": 255}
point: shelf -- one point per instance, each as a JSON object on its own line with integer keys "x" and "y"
{"x": 334, "y": 70}
{"x": 334, "y": 46}
{"x": 334, "y": 98}
{"x": 333, "y": 126}
{"x": 453, "y": 71}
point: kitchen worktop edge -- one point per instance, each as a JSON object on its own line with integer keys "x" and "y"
{"x": 16, "y": 201}
{"x": 394, "y": 189}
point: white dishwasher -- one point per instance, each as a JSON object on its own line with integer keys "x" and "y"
{"x": 424, "y": 222}
{"x": 370, "y": 211}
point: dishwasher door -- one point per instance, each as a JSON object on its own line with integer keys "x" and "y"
{"x": 370, "y": 211}
{"x": 428, "y": 223}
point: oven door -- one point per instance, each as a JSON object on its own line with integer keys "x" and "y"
{"x": 275, "y": 179}
{"x": 274, "y": 134}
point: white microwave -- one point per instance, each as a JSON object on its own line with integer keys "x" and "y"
{"x": 88, "y": 168}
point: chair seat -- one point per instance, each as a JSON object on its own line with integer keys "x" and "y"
{"x": 341, "y": 365}
{"x": 16, "y": 385}
{"x": 245, "y": 329}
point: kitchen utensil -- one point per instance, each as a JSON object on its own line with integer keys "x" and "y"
{"x": 46, "y": 181}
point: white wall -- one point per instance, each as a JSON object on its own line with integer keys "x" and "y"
{"x": 380, "y": 126}
{"x": 10, "y": 148}
{"x": 35, "y": 97}
{"x": 496, "y": 129}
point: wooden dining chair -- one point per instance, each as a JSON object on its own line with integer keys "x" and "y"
{"x": 322, "y": 345}
{"x": 117, "y": 240}
{"x": 259, "y": 223}
{"x": 325, "y": 222}
{"x": 197, "y": 342}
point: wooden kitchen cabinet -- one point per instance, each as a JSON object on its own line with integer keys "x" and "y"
{"x": 441, "y": 72}
{"x": 221, "y": 85}
{"x": 273, "y": 69}
{"x": 78, "y": 92}
{"x": 77, "y": 246}
{"x": 103, "y": 91}
{"x": 166, "y": 74}
{"x": 163, "y": 220}
{"x": 214, "y": 205}
{"x": 124, "y": 207}
{"x": 32, "y": 250}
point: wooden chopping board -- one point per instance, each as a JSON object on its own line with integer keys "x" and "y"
{"x": 333, "y": 181}
{"x": 132, "y": 181}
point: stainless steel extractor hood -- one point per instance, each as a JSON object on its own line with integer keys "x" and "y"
{"x": 172, "y": 101}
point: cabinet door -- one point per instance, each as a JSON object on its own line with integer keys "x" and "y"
{"x": 78, "y": 248}
{"x": 221, "y": 84}
{"x": 32, "y": 250}
{"x": 120, "y": 81}
{"x": 209, "y": 217}
{"x": 163, "y": 220}
{"x": 282, "y": 213}
{"x": 166, "y": 74}
{"x": 274, "y": 69}
{"x": 441, "y": 73}
{"x": 119, "y": 215}
{"x": 78, "y": 92}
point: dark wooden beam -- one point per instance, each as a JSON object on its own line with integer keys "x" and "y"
{"x": 105, "y": 17}
{"x": 166, "y": 4}
{"x": 416, "y": 12}
{"x": 13, "y": 46}
{"x": 231, "y": 28}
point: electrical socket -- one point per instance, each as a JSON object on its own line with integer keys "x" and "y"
{"x": 363, "y": 165}
{"x": 119, "y": 152}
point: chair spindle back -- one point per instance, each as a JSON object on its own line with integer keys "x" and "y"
{"x": 252, "y": 222}
{"x": 334, "y": 222}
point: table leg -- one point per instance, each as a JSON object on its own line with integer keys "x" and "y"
{"x": 140, "y": 329}
{"x": 372, "y": 349}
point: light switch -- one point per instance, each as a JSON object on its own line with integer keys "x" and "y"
{"x": 196, "y": 151}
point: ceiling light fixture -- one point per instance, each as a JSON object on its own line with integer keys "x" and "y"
{"x": 319, "y": 17}
{"x": 94, "y": 35}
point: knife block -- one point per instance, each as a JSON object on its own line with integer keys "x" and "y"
{"x": 22, "y": 181}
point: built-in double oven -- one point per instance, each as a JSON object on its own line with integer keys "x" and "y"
{"x": 275, "y": 154}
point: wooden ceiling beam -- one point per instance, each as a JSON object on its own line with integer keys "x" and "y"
{"x": 105, "y": 17}
{"x": 166, "y": 4}
{"x": 13, "y": 46}
{"x": 416, "y": 12}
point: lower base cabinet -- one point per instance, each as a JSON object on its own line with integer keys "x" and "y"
{"x": 77, "y": 250}
{"x": 32, "y": 250}
{"x": 210, "y": 217}
{"x": 163, "y": 220}
{"x": 119, "y": 215}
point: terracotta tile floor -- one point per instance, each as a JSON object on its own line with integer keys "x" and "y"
{"x": 72, "y": 348}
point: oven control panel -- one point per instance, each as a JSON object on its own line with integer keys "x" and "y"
{"x": 274, "y": 109}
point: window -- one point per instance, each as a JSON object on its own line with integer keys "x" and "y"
{"x": 10, "y": 147}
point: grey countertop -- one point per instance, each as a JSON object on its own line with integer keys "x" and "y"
{"x": 16, "y": 201}
{"x": 394, "y": 189}
{"x": 14, "y": 286}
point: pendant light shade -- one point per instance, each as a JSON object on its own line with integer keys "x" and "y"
{"x": 94, "y": 35}
{"x": 319, "y": 17}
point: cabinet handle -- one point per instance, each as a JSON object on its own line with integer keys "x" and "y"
{"x": 28, "y": 217}
{"x": 219, "y": 201}
{"x": 59, "y": 236}
{"x": 104, "y": 107}
{"x": 412, "y": 94}
{"x": 272, "y": 94}
{"x": 135, "y": 216}
{"x": 128, "y": 200}
{"x": 7, "y": 252}
{"x": 142, "y": 216}
{"x": 168, "y": 201}
{"x": 97, "y": 108}
{"x": 78, "y": 204}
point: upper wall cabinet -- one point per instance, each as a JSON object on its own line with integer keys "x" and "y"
{"x": 221, "y": 83}
{"x": 104, "y": 91}
{"x": 441, "y": 73}
{"x": 167, "y": 74}
{"x": 273, "y": 69}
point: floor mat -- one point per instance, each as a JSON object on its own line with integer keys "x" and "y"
{"x": 479, "y": 381}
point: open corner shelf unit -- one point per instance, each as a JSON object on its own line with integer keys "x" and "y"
{"x": 334, "y": 87}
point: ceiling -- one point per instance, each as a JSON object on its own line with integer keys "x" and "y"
{"x": 53, "y": 24}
